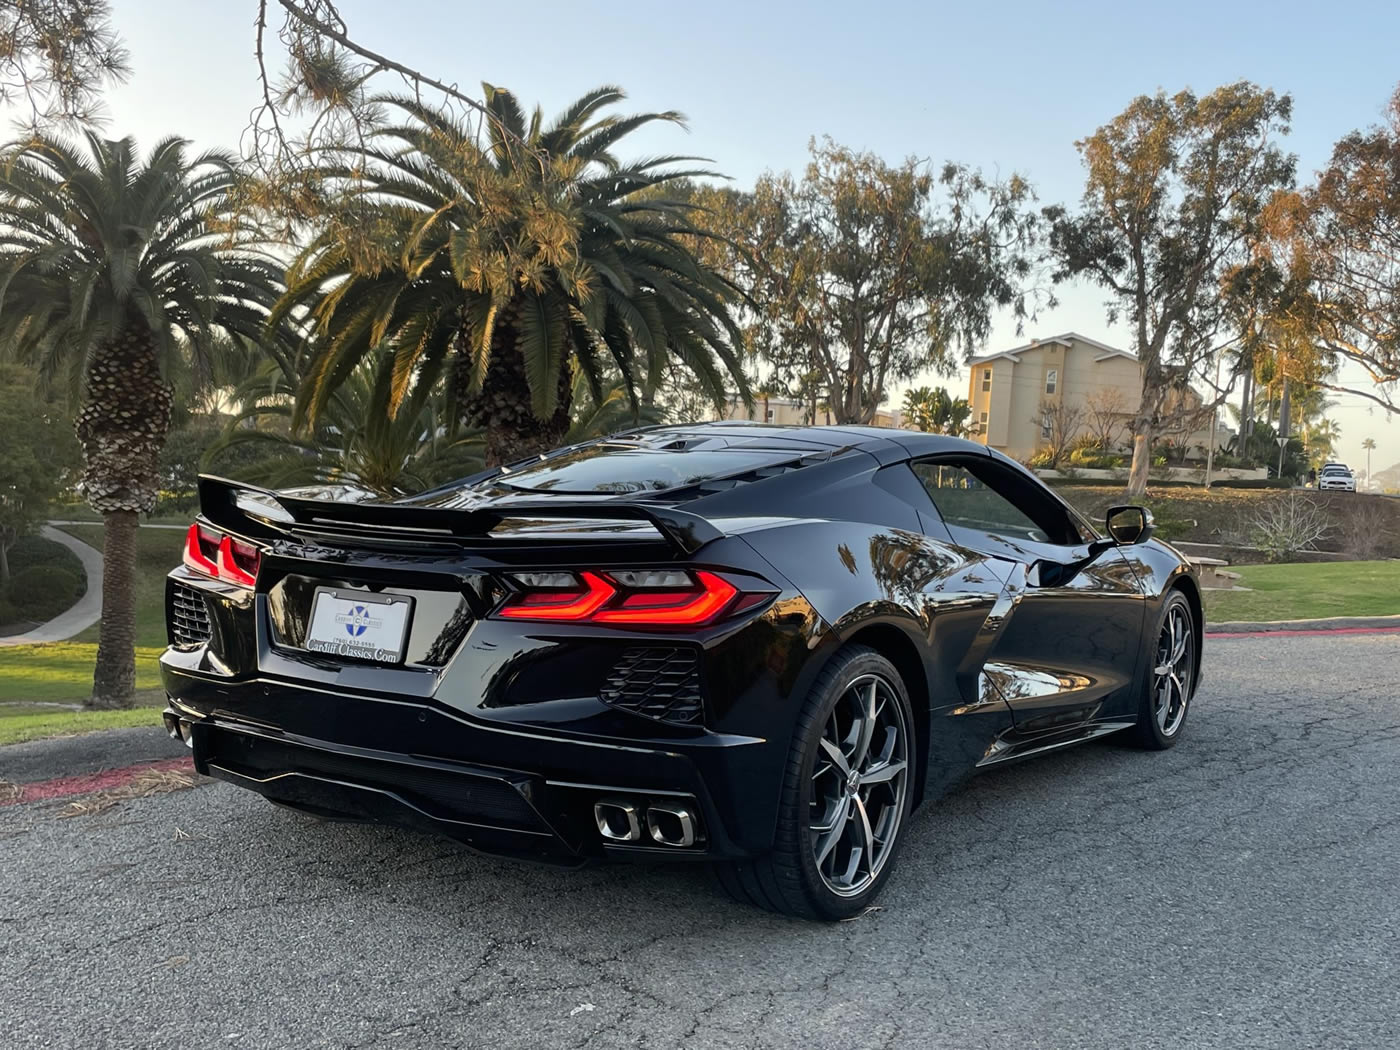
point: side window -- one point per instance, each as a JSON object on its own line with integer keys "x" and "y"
{"x": 988, "y": 497}
{"x": 964, "y": 500}
{"x": 986, "y": 379}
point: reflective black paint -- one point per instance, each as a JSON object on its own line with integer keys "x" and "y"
{"x": 1006, "y": 646}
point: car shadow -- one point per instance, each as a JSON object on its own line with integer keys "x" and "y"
{"x": 960, "y": 838}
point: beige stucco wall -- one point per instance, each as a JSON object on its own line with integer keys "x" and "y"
{"x": 1019, "y": 385}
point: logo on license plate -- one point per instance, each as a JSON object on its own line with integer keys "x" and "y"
{"x": 357, "y": 620}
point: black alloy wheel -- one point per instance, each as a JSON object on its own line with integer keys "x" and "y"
{"x": 846, "y": 796}
{"x": 1171, "y": 680}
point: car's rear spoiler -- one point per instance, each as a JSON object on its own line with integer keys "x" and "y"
{"x": 257, "y": 512}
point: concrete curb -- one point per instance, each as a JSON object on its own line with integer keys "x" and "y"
{"x": 1331, "y": 623}
{"x": 88, "y": 753}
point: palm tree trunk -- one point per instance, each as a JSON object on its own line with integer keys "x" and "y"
{"x": 502, "y": 405}
{"x": 114, "y": 679}
{"x": 122, "y": 423}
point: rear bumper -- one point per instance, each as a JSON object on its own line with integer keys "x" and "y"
{"x": 511, "y": 789}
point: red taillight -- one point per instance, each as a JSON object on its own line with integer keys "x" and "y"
{"x": 562, "y": 605}
{"x": 222, "y": 557}
{"x": 660, "y": 599}
{"x": 684, "y": 608}
{"x": 201, "y": 548}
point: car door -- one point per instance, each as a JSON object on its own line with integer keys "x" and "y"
{"x": 1067, "y": 646}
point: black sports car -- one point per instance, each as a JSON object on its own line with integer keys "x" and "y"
{"x": 757, "y": 646}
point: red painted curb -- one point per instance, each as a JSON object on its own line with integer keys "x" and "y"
{"x": 62, "y": 787}
{"x": 1311, "y": 632}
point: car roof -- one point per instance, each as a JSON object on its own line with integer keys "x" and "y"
{"x": 893, "y": 442}
{"x": 649, "y": 463}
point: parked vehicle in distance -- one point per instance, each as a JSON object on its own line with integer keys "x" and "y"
{"x": 1336, "y": 476}
{"x": 752, "y": 645}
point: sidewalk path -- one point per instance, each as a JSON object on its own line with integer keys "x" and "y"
{"x": 83, "y": 613}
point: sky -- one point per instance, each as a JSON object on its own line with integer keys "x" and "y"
{"x": 1007, "y": 87}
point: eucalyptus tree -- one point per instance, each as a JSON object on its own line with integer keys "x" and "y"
{"x": 1174, "y": 203}
{"x": 112, "y": 270}
{"x": 862, "y": 274}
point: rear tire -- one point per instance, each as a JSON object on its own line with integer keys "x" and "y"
{"x": 1171, "y": 679}
{"x": 846, "y": 795}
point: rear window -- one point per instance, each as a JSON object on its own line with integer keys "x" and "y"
{"x": 611, "y": 468}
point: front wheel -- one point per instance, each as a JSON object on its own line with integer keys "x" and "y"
{"x": 845, "y": 797}
{"x": 1171, "y": 680}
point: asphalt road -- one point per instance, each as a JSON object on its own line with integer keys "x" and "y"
{"x": 1242, "y": 890}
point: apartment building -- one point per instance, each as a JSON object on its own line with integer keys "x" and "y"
{"x": 1010, "y": 392}
{"x": 788, "y": 411}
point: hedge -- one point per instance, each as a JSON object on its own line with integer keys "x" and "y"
{"x": 41, "y": 592}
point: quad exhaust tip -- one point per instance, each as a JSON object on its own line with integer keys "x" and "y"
{"x": 178, "y": 728}
{"x": 671, "y": 825}
{"x": 617, "y": 820}
{"x": 667, "y": 823}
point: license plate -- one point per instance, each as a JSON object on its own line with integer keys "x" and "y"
{"x": 359, "y": 626}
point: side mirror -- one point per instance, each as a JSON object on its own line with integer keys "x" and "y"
{"x": 1128, "y": 525}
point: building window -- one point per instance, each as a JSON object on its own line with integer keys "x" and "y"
{"x": 984, "y": 417}
{"x": 1046, "y": 430}
{"x": 986, "y": 380}
{"x": 1052, "y": 380}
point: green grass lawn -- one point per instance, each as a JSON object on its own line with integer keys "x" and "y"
{"x": 82, "y": 512}
{"x": 1309, "y": 591}
{"x": 61, "y": 672}
{"x": 157, "y": 552}
{"x": 39, "y": 724}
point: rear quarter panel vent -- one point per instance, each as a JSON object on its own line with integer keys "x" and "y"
{"x": 659, "y": 682}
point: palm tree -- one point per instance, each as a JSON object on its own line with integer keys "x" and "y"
{"x": 934, "y": 410}
{"x": 354, "y": 443}
{"x": 111, "y": 269}
{"x": 1369, "y": 444}
{"x": 357, "y": 443}
{"x": 506, "y": 260}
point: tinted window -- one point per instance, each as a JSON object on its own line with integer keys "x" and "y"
{"x": 628, "y": 468}
{"x": 964, "y": 500}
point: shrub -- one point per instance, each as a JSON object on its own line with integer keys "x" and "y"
{"x": 1289, "y": 525}
{"x": 1366, "y": 527}
{"x": 30, "y": 551}
{"x": 1170, "y": 525}
{"x": 8, "y": 613}
{"x": 41, "y": 592}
